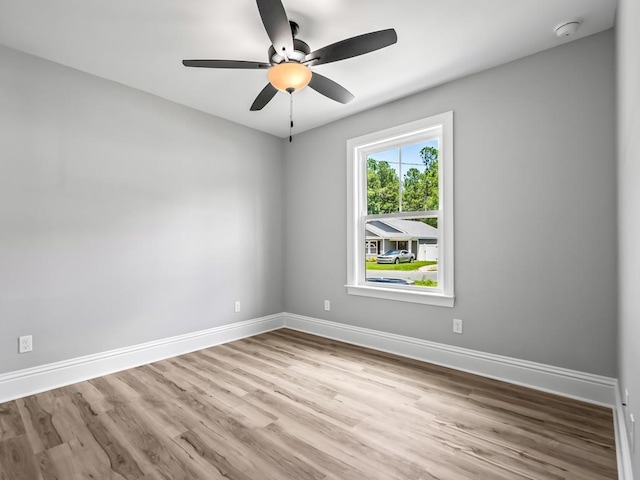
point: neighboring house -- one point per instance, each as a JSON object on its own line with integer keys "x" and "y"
{"x": 396, "y": 234}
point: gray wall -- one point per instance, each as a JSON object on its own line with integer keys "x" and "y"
{"x": 628, "y": 39}
{"x": 535, "y": 212}
{"x": 125, "y": 218}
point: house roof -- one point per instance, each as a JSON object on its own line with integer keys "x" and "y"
{"x": 400, "y": 228}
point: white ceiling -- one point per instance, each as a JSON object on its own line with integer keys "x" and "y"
{"x": 141, "y": 43}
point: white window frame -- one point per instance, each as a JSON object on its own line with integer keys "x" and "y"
{"x": 358, "y": 150}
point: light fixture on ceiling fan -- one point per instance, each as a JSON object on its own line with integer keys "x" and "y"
{"x": 289, "y": 76}
{"x": 290, "y": 58}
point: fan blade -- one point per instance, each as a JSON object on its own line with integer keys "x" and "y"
{"x": 224, "y": 64}
{"x": 352, "y": 47}
{"x": 330, "y": 89}
{"x": 264, "y": 97}
{"x": 276, "y": 23}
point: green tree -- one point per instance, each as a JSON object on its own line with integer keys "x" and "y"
{"x": 382, "y": 187}
{"x": 414, "y": 191}
{"x": 429, "y": 156}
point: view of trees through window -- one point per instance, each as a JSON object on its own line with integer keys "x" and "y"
{"x": 404, "y": 180}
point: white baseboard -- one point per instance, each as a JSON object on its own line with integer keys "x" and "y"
{"x": 623, "y": 450}
{"x": 29, "y": 381}
{"x": 587, "y": 387}
{"x": 569, "y": 383}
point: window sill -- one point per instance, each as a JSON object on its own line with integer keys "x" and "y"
{"x": 386, "y": 293}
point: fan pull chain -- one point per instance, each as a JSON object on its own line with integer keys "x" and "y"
{"x": 290, "y": 116}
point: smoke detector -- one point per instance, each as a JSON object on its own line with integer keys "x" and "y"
{"x": 567, "y": 29}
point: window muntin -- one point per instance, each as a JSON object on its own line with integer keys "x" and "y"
{"x": 401, "y": 196}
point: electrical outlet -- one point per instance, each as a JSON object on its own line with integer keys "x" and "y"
{"x": 236, "y": 307}
{"x": 25, "y": 344}
{"x": 457, "y": 325}
{"x": 327, "y": 305}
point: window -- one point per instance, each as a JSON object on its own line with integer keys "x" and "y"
{"x": 372, "y": 248}
{"x": 400, "y": 213}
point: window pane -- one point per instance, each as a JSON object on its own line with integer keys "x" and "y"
{"x": 419, "y": 169}
{"x": 383, "y": 184}
{"x": 407, "y": 252}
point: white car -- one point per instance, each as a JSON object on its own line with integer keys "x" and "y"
{"x": 396, "y": 256}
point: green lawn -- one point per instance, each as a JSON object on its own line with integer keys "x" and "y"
{"x": 400, "y": 266}
{"x": 425, "y": 283}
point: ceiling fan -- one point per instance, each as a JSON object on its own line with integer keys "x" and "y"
{"x": 290, "y": 57}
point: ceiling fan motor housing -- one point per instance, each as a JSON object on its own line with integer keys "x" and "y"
{"x": 300, "y": 50}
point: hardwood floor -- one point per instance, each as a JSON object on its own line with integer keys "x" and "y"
{"x": 286, "y": 405}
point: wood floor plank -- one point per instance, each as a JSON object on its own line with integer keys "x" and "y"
{"x": 40, "y": 420}
{"x": 225, "y": 399}
{"x": 60, "y": 463}
{"x": 286, "y": 405}
{"x": 69, "y": 423}
{"x": 85, "y": 461}
{"x": 137, "y": 431}
{"x": 219, "y": 462}
{"x": 11, "y": 424}
{"x": 17, "y": 459}
{"x": 120, "y": 459}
